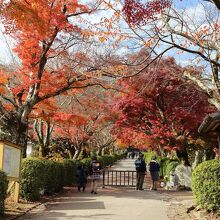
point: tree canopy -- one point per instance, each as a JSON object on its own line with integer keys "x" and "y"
{"x": 98, "y": 74}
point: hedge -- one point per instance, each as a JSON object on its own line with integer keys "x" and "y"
{"x": 46, "y": 175}
{"x": 106, "y": 160}
{"x": 3, "y": 191}
{"x": 206, "y": 185}
{"x": 33, "y": 177}
{"x": 86, "y": 162}
{"x": 69, "y": 172}
{"x": 53, "y": 179}
{"x": 51, "y": 176}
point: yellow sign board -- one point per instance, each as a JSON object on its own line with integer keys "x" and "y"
{"x": 10, "y": 159}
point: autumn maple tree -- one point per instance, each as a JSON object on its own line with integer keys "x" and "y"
{"x": 94, "y": 114}
{"x": 138, "y": 13}
{"x": 162, "y": 110}
{"x": 49, "y": 45}
{"x": 178, "y": 29}
{"x": 77, "y": 123}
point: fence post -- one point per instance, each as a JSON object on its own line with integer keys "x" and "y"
{"x": 103, "y": 180}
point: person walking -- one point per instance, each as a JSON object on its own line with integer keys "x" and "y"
{"x": 141, "y": 170}
{"x": 154, "y": 172}
{"x": 81, "y": 177}
{"x": 132, "y": 154}
{"x": 95, "y": 173}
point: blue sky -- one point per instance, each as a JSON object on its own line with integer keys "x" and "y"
{"x": 185, "y": 3}
{"x": 6, "y": 43}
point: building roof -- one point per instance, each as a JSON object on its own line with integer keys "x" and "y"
{"x": 210, "y": 123}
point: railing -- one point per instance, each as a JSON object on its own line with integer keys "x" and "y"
{"x": 119, "y": 178}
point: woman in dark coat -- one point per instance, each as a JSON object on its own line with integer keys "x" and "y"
{"x": 81, "y": 178}
{"x": 154, "y": 172}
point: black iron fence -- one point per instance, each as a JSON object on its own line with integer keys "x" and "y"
{"x": 119, "y": 178}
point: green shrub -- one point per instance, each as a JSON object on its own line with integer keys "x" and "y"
{"x": 32, "y": 178}
{"x": 38, "y": 174}
{"x": 167, "y": 165}
{"x": 120, "y": 156}
{"x": 163, "y": 164}
{"x": 109, "y": 160}
{"x": 171, "y": 166}
{"x": 206, "y": 185}
{"x": 52, "y": 182}
{"x": 106, "y": 160}
{"x": 101, "y": 160}
{"x": 59, "y": 176}
{"x": 148, "y": 156}
{"x": 86, "y": 163}
{"x": 69, "y": 172}
{"x": 3, "y": 191}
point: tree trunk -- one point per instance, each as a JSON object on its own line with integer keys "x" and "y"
{"x": 42, "y": 151}
{"x": 103, "y": 151}
{"x": 199, "y": 154}
{"x": 77, "y": 153}
{"x": 209, "y": 154}
{"x": 100, "y": 151}
{"x": 183, "y": 155}
{"x": 23, "y": 137}
{"x": 43, "y": 136}
{"x": 218, "y": 145}
{"x": 161, "y": 151}
{"x": 13, "y": 129}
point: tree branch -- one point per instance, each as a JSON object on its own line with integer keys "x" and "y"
{"x": 9, "y": 100}
{"x": 215, "y": 2}
{"x": 201, "y": 85}
{"x": 191, "y": 51}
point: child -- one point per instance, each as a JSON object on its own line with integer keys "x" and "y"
{"x": 81, "y": 178}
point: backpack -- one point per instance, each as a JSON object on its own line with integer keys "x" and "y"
{"x": 95, "y": 167}
{"x": 138, "y": 165}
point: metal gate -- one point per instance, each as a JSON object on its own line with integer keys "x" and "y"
{"x": 119, "y": 178}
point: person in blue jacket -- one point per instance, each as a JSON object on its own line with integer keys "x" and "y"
{"x": 154, "y": 172}
{"x": 140, "y": 166}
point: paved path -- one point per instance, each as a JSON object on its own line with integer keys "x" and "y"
{"x": 108, "y": 204}
{"x": 127, "y": 164}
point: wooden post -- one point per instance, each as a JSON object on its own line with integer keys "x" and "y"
{"x": 17, "y": 191}
{"x": 1, "y": 155}
{"x": 219, "y": 143}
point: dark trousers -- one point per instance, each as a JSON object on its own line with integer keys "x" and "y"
{"x": 140, "y": 180}
{"x": 81, "y": 183}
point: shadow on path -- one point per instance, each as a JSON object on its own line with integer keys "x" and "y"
{"x": 64, "y": 216}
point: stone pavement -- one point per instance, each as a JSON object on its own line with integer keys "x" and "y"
{"x": 109, "y": 203}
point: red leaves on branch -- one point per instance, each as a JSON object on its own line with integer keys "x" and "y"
{"x": 39, "y": 26}
{"x": 138, "y": 14}
{"x": 159, "y": 107}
